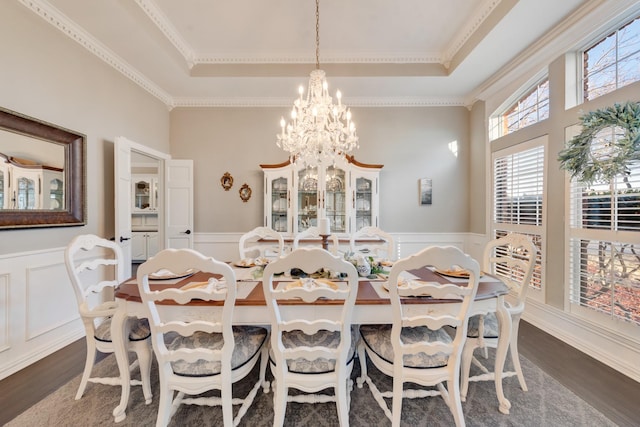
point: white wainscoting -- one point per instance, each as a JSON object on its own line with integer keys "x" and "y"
{"x": 38, "y": 312}
{"x": 224, "y": 246}
{"x": 38, "y": 308}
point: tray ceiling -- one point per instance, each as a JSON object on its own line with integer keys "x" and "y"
{"x": 248, "y": 52}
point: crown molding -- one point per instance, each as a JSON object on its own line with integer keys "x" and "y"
{"x": 286, "y": 102}
{"x": 53, "y": 16}
{"x": 327, "y": 58}
{"x": 594, "y": 17}
{"x": 192, "y": 57}
{"x": 472, "y": 25}
{"x": 160, "y": 20}
{"x": 57, "y": 19}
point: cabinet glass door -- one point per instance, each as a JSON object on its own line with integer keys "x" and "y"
{"x": 55, "y": 194}
{"x": 279, "y": 204}
{"x": 307, "y": 198}
{"x": 142, "y": 194}
{"x": 363, "y": 203}
{"x": 26, "y": 193}
{"x": 335, "y": 199}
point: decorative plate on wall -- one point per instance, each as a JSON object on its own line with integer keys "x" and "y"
{"x": 245, "y": 192}
{"x": 226, "y": 181}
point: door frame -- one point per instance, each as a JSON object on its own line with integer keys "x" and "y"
{"x": 160, "y": 157}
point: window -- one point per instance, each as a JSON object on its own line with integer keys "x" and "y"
{"x": 612, "y": 62}
{"x": 529, "y": 109}
{"x": 519, "y": 196}
{"x": 604, "y": 245}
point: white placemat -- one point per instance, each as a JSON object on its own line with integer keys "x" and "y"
{"x": 382, "y": 292}
{"x": 248, "y": 274}
{"x": 159, "y": 282}
{"x": 484, "y": 278}
{"x": 243, "y": 289}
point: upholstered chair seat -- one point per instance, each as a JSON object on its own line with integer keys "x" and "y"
{"x": 377, "y": 338}
{"x": 139, "y": 330}
{"x": 323, "y": 338}
{"x": 248, "y": 342}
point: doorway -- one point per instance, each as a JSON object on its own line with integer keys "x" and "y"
{"x": 146, "y": 215}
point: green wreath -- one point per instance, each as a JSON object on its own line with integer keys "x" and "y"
{"x": 587, "y": 167}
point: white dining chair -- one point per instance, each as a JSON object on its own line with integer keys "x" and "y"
{"x": 512, "y": 258}
{"x": 251, "y": 246}
{"x": 199, "y": 350}
{"x": 383, "y": 247}
{"x": 95, "y": 267}
{"x": 311, "y": 352}
{"x": 314, "y": 233}
{"x": 422, "y": 346}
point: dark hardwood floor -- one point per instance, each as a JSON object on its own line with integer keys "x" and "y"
{"x": 612, "y": 393}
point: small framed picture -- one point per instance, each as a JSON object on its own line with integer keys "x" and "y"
{"x": 245, "y": 192}
{"x": 426, "y": 191}
{"x": 226, "y": 181}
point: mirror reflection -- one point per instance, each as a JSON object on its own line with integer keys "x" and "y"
{"x": 32, "y": 175}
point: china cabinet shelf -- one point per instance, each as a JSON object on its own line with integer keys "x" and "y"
{"x": 29, "y": 186}
{"x": 145, "y": 193}
{"x": 297, "y": 197}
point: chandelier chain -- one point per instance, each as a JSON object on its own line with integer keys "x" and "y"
{"x": 320, "y": 131}
{"x": 317, "y": 34}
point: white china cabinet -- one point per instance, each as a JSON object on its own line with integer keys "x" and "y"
{"x": 346, "y": 193}
{"x": 145, "y": 193}
{"x": 30, "y": 185}
{"x": 144, "y": 217}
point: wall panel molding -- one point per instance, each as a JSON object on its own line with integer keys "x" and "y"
{"x": 5, "y": 306}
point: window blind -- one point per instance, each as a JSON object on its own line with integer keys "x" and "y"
{"x": 518, "y": 201}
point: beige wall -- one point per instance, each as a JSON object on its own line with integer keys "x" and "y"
{"x": 479, "y": 191}
{"x": 46, "y": 75}
{"x": 411, "y": 143}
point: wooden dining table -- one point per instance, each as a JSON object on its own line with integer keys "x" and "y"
{"x": 372, "y": 307}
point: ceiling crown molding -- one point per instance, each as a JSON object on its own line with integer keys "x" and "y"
{"x": 484, "y": 11}
{"x": 54, "y": 17}
{"x": 596, "y": 16}
{"x": 286, "y": 102}
{"x": 156, "y": 15}
{"x": 331, "y": 58}
{"x": 192, "y": 57}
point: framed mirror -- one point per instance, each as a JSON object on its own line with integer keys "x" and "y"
{"x": 42, "y": 173}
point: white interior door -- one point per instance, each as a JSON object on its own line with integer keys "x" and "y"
{"x": 122, "y": 202}
{"x": 179, "y": 203}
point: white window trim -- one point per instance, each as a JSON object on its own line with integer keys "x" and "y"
{"x": 614, "y": 325}
{"x": 535, "y": 294}
{"x": 613, "y": 26}
{"x": 496, "y": 116}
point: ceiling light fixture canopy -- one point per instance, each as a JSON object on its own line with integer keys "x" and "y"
{"x": 320, "y": 131}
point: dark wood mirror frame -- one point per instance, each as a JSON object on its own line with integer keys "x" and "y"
{"x": 74, "y": 212}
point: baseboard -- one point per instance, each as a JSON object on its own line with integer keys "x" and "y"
{"x": 614, "y": 350}
{"x": 36, "y": 354}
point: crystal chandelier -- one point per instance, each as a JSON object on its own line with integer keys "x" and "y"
{"x": 320, "y": 131}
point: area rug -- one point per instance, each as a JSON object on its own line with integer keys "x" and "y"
{"x": 547, "y": 403}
